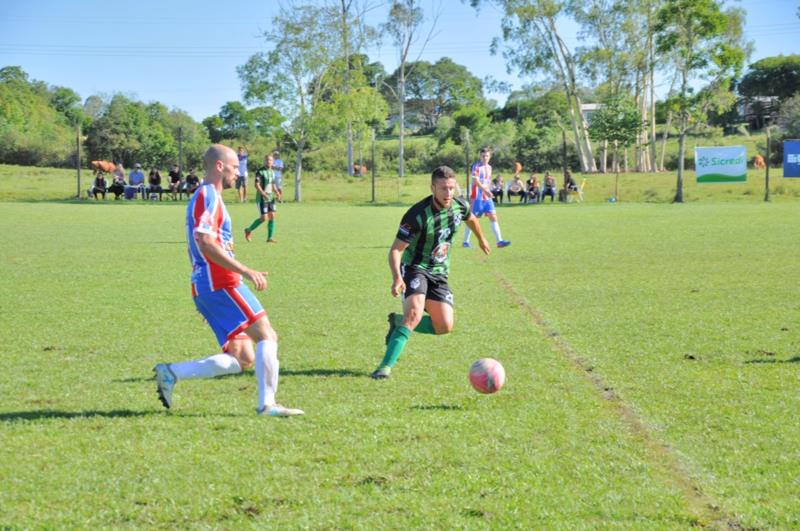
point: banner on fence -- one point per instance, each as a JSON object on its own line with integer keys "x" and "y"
{"x": 720, "y": 164}
{"x": 791, "y": 158}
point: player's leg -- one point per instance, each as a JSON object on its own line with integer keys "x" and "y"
{"x": 239, "y": 187}
{"x": 413, "y": 310}
{"x": 492, "y": 215}
{"x": 244, "y": 189}
{"x": 262, "y": 209}
{"x": 267, "y": 369}
{"x": 271, "y": 222}
{"x": 478, "y": 212}
{"x": 224, "y": 310}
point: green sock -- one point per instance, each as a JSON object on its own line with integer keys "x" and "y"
{"x": 396, "y": 345}
{"x": 254, "y": 225}
{"x": 270, "y": 228}
{"x": 425, "y": 326}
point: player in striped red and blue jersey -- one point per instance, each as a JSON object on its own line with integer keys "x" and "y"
{"x": 480, "y": 196}
{"x": 231, "y": 309}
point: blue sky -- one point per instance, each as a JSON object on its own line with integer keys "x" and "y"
{"x": 184, "y": 53}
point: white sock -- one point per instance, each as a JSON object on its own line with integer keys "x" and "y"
{"x": 496, "y": 230}
{"x": 267, "y": 369}
{"x": 466, "y": 234}
{"x": 216, "y": 365}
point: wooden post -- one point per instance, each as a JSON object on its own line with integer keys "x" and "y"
{"x": 766, "y": 178}
{"x": 373, "y": 164}
{"x": 78, "y": 157}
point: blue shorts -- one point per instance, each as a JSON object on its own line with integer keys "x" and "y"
{"x": 229, "y": 312}
{"x": 482, "y": 206}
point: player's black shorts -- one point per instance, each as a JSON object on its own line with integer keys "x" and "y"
{"x": 434, "y": 287}
{"x": 265, "y": 207}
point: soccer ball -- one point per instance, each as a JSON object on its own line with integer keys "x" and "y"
{"x": 487, "y": 375}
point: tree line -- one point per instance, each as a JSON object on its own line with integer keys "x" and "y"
{"x": 315, "y": 94}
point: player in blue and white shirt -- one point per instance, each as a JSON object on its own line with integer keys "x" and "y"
{"x": 480, "y": 196}
{"x": 232, "y": 311}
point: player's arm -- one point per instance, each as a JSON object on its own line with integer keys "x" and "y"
{"x": 472, "y": 223}
{"x": 395, "y": 254}
{"x": 258, "y": 185}
{"x": 214, "y": 252}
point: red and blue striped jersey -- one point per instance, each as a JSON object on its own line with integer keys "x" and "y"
{"x": 206, "y": 214}
{"x": 484, "y": 175}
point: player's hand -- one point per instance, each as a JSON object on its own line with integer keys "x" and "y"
{"x": 398, "y": 287}
{"x": 485, "y": 246}
{"x": 258, "y": 278}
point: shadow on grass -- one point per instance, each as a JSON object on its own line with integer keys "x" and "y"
{"x": 438, "y": 407}
{"x": 795, "y": 359}
{"x": 55, "y": 414}
{"x": 324, "y": 373}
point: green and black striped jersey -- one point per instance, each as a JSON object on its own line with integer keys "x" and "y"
{"x": 266, "y": 178}
{"x": 429, "y": 233}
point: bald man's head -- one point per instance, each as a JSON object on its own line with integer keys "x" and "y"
{"x": 217, "y": 152}
{"x": 221, "y": 165}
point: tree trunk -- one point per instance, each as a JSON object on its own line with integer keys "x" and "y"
{"x": 681, "y": 158}
{"x": 604, "y": 160}
{"x": 401, "y": 96}
{"x": 349, "y": 148}
{"x": 298, "y": 169}
{"x": 664, "y": 136}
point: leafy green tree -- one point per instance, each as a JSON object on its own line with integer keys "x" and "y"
{"x": 772, "y": 76}
{"x": 436, "y": 90}
{"x": 291, "y": 77}
{"x": 789, "y": 117}
{"x": 707, "y": 42}
{"x": 619, "y": 123}
{"x": 32, "y": 131}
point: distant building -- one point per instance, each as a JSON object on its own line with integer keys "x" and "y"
{"x": 758, "y": 110}
{"x": 588, "y": 109}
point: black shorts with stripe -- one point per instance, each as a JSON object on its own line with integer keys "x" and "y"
{"x": 434, "y": 287}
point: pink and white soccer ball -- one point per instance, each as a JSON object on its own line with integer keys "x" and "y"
{"x": 487, "y": 375}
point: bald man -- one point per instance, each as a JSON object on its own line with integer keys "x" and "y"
{"x": 232, "y": 311}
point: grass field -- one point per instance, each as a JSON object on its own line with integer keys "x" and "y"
{"x": 652, "y": 353}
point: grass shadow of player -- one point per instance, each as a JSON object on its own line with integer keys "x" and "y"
{"x": 45, "y": 414}
{"x": 324, "y": 373}
{"x": 438, "y": 407}
{"x": 795, "y": 359}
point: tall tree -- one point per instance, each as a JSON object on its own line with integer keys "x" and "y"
{"x": 405, "y": 19}
{"x": 292, "y": 76}
{"x": 618, "y": 122}
{"x": 534, "y": 45}
{"x": 708, "y": 44}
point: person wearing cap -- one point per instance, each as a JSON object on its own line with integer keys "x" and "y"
{"x": 136, "y": 178}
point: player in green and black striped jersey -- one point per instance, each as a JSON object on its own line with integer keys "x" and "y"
{"x": 268, "y": 191}
{"x": 420, "y": 261}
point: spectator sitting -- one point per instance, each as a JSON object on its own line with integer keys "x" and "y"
{"x": 516, "y": 187}
{"x": 192, "y": 182}
{"x": 154, "y": 183}
{"x": 136, "y": 178}
{"x": 118, "y": 181}
{"x": 497, "y": 189}
{"x": 175, "y": 181}
{"x": 533, "y": 192}
{"x": 549, "y": 187}
{"x": 569, "y": 183}
{"x": 99, "y": 186}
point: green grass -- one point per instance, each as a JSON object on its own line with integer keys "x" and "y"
{"x": 19, "y": 183}
{"x": 652, "y": 353}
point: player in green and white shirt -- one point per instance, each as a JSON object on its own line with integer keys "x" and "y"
{"x": 420, "y": 262}
{"x": 268, "y": 191}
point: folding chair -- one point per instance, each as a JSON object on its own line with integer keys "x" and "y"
{"x": 577, "y": 194}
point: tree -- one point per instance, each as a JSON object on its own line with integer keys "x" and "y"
{"x": 777, "y": 77}
{"x": 618, "y": 122}
{"x": 707, "y": 43}
{"x": 534, "y": 45}
{"x": 789, "y": 117}
{"x": 438, "y": 89}
{"x": 292, "y": 77}
{"x": 405, "y": 19}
